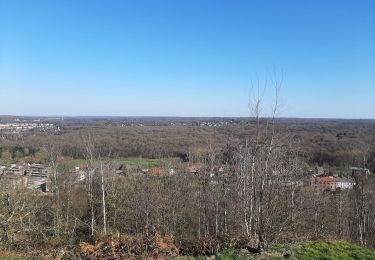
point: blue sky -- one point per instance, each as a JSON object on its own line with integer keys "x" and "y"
{"x": 186, "y": 57}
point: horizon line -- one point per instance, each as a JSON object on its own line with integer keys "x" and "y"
{"x": 168, "y": 116}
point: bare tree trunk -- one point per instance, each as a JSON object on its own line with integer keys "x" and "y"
{"x": 90, "y": 157}
{"x": 55, "y": 187}
{"x": 339, "y": 216}
{"x": 103, "y": 200}
{"x": 217, "y": 218}
{"x": 199, "y": 215}
{"x": 91, "y": 197}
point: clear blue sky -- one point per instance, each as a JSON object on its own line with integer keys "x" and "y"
{"x": 186, "y": 57}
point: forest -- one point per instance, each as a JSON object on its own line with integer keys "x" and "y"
{"x": 251, "y": 190}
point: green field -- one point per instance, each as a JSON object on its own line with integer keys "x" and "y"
{"x": 324, "y": 250}
{"x": 130, "y": 163}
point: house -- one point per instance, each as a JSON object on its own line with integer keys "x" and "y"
{"x": 30, "y": 182}
{"x": 194, "y": 167}
{"x": 320, "y": 170}
{"x": 171, "y": 171}
{"x": 20, "y": 174}
{"x": 345, "y": 183}
{"x": 156, "y": 170}
{"x": 358, "y": 170}
{"x": 15, "y": 170}
{"x": 80, "y": 176}
{"x": 331, "y": 182}
{"x": 38, "y": 170}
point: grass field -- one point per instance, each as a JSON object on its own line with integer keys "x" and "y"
{"x": 130, "y": 163}
{"x": 328, "y": 250}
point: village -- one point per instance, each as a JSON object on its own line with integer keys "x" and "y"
{"x": 36, "y": 177}
{"x": 32, "y": 176}
{"x": 18, "y": 127}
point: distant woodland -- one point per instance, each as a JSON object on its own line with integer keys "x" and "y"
{"x": 336, "y": 143}
{"x": 247, "y": 192}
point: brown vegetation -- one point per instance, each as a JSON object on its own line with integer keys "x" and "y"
{"x": 245, "y": 194}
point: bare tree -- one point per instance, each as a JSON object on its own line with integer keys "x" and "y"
{"x": 90, "y": 158}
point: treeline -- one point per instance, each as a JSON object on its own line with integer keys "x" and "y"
{"x": 15, "y": 152}
{"x": 255, "y": 200}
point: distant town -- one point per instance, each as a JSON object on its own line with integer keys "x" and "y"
{"x": 36, "y": 176}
